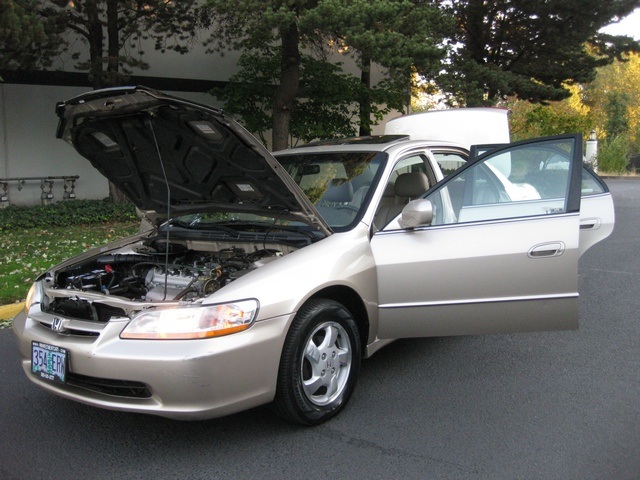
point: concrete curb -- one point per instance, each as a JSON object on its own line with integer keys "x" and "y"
{"x": 10, "y": 311}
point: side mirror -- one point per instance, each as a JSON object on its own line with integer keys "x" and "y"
{"x": 417, "y": 213}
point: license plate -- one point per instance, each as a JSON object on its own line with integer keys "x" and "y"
{"x": 49, "y": 362}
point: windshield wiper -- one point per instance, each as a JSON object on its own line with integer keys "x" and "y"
{"x": 196, "y": 225}
{"x": 269, "y": 228}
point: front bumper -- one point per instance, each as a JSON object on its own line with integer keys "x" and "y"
{"x": 182, "y": 379}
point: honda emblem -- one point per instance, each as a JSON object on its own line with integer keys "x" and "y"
{"x": 56, "y": 324}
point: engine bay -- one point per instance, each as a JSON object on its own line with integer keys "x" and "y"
{"x": 157, "y": 271}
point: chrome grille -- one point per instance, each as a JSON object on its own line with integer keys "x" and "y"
{"x": 82, "y": 310}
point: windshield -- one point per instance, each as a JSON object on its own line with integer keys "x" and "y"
{"x": 339, "y": 184}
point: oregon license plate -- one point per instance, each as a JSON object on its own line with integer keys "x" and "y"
{"x": 49, "y": 362}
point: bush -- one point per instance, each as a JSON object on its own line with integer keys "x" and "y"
{"x": 613, "y": 154}
{"x": 72, "y": 212}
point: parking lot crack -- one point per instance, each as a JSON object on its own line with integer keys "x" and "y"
{"x": 357, "y": 442}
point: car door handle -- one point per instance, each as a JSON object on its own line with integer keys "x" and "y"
{"x": 545, "y": 250}
{"x": 590, "y": 223}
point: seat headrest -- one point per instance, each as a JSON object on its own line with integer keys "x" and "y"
{"x": 389, "y": 190}
{"x": 411, "y": 184}
{"x": 338, "y": 192}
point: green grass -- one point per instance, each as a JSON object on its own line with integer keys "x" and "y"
{"x": 26, "y": 253}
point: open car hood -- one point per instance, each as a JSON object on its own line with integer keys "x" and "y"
{"x": 172, "y": 157}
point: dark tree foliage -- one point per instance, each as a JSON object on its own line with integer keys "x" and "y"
{"x": 113, "y": 30}
{"x": 24, "y": 35}
{"x": 322, "y": 110}
{"x": 396, "y": 34}
{"x": 617, "y": 108}
{"x": 530, "y": 48}
{"x": 252, "y": 25}
{"x": 399, "y": 35}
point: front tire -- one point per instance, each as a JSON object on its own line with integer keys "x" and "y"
{"x": 319, "y": 364}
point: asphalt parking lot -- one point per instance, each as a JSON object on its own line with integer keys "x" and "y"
{"x": 561, "y": 405}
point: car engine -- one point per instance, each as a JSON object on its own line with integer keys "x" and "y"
{"x": 162, "y": 272}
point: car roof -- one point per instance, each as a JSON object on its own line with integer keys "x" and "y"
{"x": 379, "y": 143}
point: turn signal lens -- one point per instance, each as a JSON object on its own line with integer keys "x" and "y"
{"x": 186, "y": 323}
{"x": 33, "y": 296}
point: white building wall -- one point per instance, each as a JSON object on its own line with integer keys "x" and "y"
{"x": 30, "y": 148}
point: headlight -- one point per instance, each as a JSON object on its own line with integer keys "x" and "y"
{"x": 183, "y": 323}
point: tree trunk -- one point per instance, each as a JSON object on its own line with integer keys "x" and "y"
{"x": 287, "y": 90}
{"x": 113, "y": 45}
{"x": 115, "y": 195}
{"x": 475, "y": 42}
{"x": 96, "y": 37}
{"x": 365, "y": 98}
{"x": 111, "y": 79}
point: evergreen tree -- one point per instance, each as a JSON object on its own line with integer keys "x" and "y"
{"x": 399, "y": 35}
{"x": 616, "y": 108}
{"x": 323, "y": 109}
{"x": 396, "y": 34}
{"x": 530, "y": 48}
{"x": 252, "y": 25}
{"x": 23, "y": 35}
{"x": 112, "y": 29}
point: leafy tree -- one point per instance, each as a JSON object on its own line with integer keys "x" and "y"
{"x": 610, "y": 105}
{"x": 394, "y": 33}
{"x": 534, "y": 120}
{"x": 614, "y": 154}
{"x": 322, "y": 110}
{"x": 530, "y": 48}
{"x": 113, "y": 29}
{"x": 23, "y": 35}
{"x": 616, "y": 109}
{"x": 614, "y": 98}
{"x": 399, "y": 35}
{"x": 252, "y": 25}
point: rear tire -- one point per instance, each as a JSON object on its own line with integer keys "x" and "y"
{"x": 319, "y": 364}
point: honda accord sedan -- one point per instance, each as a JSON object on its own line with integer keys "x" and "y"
{"x": 267, "y": 278}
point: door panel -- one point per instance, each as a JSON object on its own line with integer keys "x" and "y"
{"x": 478, "y": 278}
{"x": 501, "y": 256}
{"x": 597, "y": 215}
{"x": 597, "y": 219}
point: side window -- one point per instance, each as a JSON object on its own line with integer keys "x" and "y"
{"x": 449, "y": 162}
{"x": 527, "y": 180}
{"x": 414, "y": 163}
{"x": 410, "y": 179}
{"x": 590, "y": 184}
